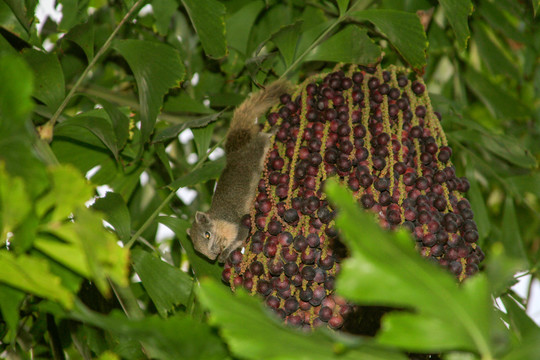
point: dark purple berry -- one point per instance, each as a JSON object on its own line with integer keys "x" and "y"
{"x": 373, "y": 83}
{"x": 306, "y": 295}
{"x": 290, "y": 216}
{"x": 367, "y": 201}
{"x": 291, "y": 305}
{"x": 455, "y": 267}
{"x": 418, "y": 88}
{"x": 290, "y": 269}
{"x": 274, "y": 227}
{"x": 402, "y": 81}
{"x": 300, "y": 244}
{"x": 313, "y": 240}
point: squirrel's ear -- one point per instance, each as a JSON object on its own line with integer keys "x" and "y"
{"x": 201, "y": 218}
{"x": 188, "y": 232}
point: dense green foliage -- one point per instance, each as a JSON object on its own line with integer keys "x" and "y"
{"x": 109, "y": 88}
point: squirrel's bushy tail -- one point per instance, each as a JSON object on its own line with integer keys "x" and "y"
{"x": 243, "y": 125}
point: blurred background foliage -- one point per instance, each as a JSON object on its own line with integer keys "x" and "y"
{"x": 136, "y": 96}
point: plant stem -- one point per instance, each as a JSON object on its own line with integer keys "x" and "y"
{"x": 54, "y": 338}
{"x": 312, "y": 46}
{"x": 102, "y": 50}
{"x": 203, "y": 159}
{"x": 127, "y": 301}
{"x": 355, "y": 6}
{"x": 150, "y": 220}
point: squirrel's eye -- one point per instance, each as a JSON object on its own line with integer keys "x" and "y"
{"x": 207, "y": 235}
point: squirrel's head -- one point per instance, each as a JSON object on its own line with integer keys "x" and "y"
{"x": 204, "y": 236}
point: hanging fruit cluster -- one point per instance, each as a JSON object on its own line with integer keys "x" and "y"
{"x": 376, "y": 131}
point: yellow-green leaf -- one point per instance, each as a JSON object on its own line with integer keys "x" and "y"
{"x": 32, "y": 275}
{"x": 69, "y": 190}
{"x": 14, "y": 203}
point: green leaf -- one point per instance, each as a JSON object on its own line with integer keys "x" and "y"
{"x": 15, "y": 204}
{"x": 163, "y": 12}
{"x": 495, "y": 98}
{"x": 116, "y": 213}
{"x": 393, "y": 273}
{"x": 201, "y": 266}
{"x": 73, "y": 13}
{"x": 343, "y": 5}
{"x": 501, "y": 269}
{"x": 522, "y": 184}
{"x": 106, "y": 258}
{"x": 210, "y": 170}
{"x": 520, "y": 323}
{"x": 286, "y": 40}
{"x": 438, "y": 42}
{"x": 100, "y": 127}
{"x": 81, "y": 243}
{"x": 17, "y": 154}
{"x": 403, "y": 30}
{"x": 77, "y": 146}
{"x": 49, "y": 77}
{"x": 351, "y": 45}
{"x": 11, "y": 23}
{"x": 87, "y": 248}
{"x": 528, "y": 350}
{"x": 173, "y": 131}
{"x": 69, "y": 191}
{"x": 502, "y": 21}
{"x": 246, "y": 325}
{"x": 535, "y": 5}
{"x": 17, "y": 84}
{"x": 166, "y": 285}
{"x": 10, "y": 299}
{"x": 24, "y": 235}
{"x": 237, "y": 23}
{"x": 69, "y": 253}
{"x": 209, "y": 22}
{"x": 504, "y": 146}
{"x": 157, "y": 68}
{"x": 83, "y": 36}
{"x": 164, "y": 158}
{"x": 491, "y": 52}
{"x": 177, "y": 337}
{"x": 108, "y": 355}
{"x": 202, "y": 137}
{"x": 511, "y": 235}
{"x": 33, "y": 275}
{"x": 5, "y": 47}
{"x": 420, "y": 333}
{"x": 509, "y": 149}
{"x": 310, "y": 38}
{"x": 120, "y": 123}
{"x": 183, "y": 102}
{"x": 23, "y": 10}
{"x": 478, "y": 206}
{"x": 457, "y": 13}
{"x": 70, "y": 280}
{"x": 16, "y": 141}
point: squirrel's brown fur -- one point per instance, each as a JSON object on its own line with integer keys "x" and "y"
{"x": 243, "y": 125}
{"x": 218, "y": 232}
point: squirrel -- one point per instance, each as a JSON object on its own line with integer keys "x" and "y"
{"x": 218, "y": 232}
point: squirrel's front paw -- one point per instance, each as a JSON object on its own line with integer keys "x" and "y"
{"x": 223, "y": 256}
{"x": 229, "y": 249}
